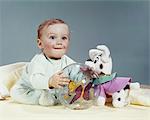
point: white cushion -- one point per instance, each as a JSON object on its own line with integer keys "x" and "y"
{"x": 9, "y": 74}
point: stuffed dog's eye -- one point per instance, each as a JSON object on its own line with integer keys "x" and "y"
{"x": 119, "y": 99}
{"x": 95, "y": 61}
{"x": 101, "y": 66}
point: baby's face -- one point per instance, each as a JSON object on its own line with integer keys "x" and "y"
{"x": 54, "y": 40}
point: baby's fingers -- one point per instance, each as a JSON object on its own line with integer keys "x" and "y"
{"x": 96, "y": 74}
{"x": 60, "y": 73}
{"x": 64, "y": 81}
{"x": 59, "y": 86}
{"x": 63, "y": 76}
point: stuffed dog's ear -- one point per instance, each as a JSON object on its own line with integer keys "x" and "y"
{"x": 93, "y": 53}
{"x": 105, "y": 52}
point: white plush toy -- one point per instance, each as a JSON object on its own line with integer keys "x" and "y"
{"x": 101, "y": 62}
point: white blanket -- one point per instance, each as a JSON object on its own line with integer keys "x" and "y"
{"x": 14, "y": 111}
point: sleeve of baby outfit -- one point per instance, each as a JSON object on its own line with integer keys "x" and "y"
{"x": 37, "y": 75}
{"x": 39, "y": 81}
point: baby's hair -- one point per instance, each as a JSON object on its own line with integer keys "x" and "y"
{"x": 46, "y": 24}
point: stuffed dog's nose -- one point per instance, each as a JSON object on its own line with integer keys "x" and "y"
{"x": 101, "y": 66}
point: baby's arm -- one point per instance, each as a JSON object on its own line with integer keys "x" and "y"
{"x": 58, "y": 80}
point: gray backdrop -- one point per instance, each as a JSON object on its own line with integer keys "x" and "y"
{"x": 123, "y": 26}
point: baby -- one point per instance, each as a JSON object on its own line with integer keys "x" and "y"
{"x": 42, "y": 77}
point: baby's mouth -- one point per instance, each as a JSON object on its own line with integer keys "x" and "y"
{"x": 58, "y": 48}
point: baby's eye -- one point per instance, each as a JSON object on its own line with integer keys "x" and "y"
{"x": 52, "y": 37}
{"x": 64, "y": 38}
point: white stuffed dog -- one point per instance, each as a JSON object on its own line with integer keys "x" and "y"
{"x": 100, "y": 59}
{"x": 101, "y": 62}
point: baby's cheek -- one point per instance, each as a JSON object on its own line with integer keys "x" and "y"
{"x": 47, "y": 46}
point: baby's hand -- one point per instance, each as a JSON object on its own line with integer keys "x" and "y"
{"x": 94, "y": 74}
{"x": 89, "y": 71}
{"x": 58, "y": 80}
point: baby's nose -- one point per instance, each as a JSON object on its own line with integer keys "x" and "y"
{"x": 59, "y": 42}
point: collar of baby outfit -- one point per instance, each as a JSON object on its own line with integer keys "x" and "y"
{"x": 54, "y": 61}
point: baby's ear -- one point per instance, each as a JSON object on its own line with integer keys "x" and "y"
{"x": 93, "y": 53}
{"x": 39, "y": 43}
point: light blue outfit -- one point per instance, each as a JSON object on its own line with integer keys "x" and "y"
{"x": 33, "y": 88}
